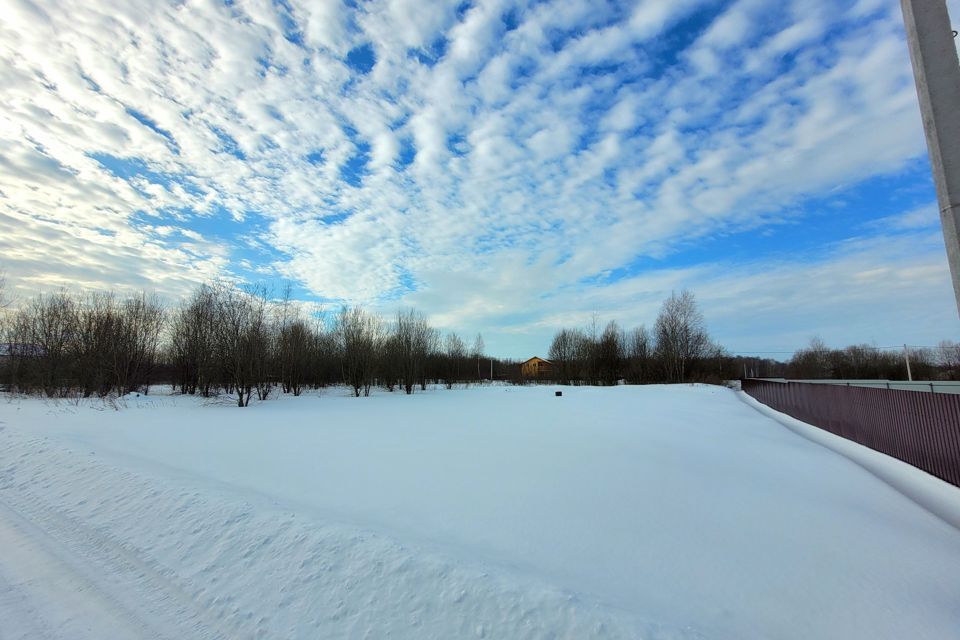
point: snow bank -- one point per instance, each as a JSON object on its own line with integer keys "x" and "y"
{"x": 940, "y": 498}
{"x": 647, "y": 512}
{"x": 182, "y": 563}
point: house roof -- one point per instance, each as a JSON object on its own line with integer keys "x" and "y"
{"x": 536, "y": 359}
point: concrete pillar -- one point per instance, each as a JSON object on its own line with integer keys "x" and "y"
{"x": 937, "y": 74}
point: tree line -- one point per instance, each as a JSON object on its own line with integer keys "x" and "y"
{"x": 865, "y": 362}
{"x": 244, "y": 342}
{"x": 676, "y": 349}
{"x": 223, "y": 339}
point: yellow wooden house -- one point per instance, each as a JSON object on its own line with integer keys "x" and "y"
{"x": 536, "y": 367}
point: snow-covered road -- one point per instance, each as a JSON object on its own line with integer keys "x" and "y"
{"x": 59, "y": 579}
{"x": 673, "y": 512}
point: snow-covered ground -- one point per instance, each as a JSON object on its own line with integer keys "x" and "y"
{"x": 500, "y": 512}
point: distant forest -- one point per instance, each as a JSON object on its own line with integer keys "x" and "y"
{"x": 678, "y": 349}
{"x": 244, "y": 342}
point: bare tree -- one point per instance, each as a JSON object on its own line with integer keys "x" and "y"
{"x": 389, "y": 365}
{"x": 563, "y": 353}
{"x": 359, "y": 335}
{"x": 414, "y": 341}
{"x": 284, "y": 350}
{"x": 478, "y": 348}
{"x": 241, "y": 341}
{"x": 92, "y": 350}
{"x": 948, "y": 357}
{"x": 455, "y": 352}
{"x": 136, "y": 343}
{"x": 588, "y": 352}
{"x": 46, "y": 332}
{"x": 296, "y": 349}
{"x": 326, "y": 364}
{"x": 262, "y": 340}
{"x": 923, "y": 363}
{"x": 4, "y": 299}
{"x": 428, "y": 346}
{"x": 609, "y": 354}
{"x": 192, "y": 348}
{"x": 4, "y": 303}
{"x": 681, "y": 336}
{"x": 4, "y": 333}
{"x": 403, "y": 342}
{"x": 639, "y": 351}
{"x": 811, "y": 363}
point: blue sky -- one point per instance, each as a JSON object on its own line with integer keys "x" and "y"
{"x": 507, "y": 167}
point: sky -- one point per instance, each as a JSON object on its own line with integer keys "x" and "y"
{"x": 506, "y": 167}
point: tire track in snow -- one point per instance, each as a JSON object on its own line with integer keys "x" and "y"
{"x": 51, "y": 596}
{"x": 62, "y": 579}
{"x": 80, "y": 584}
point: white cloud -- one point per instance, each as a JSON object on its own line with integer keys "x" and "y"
{"x": 924, "y": 217}
{"x": 651, "y": 17}
{"x": 553, "y": 143}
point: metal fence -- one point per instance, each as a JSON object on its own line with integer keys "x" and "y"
{"x": 930, "y": 386}
{"x": 922, "y": 429}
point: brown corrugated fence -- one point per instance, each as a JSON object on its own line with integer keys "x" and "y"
{"x": 922, "y": 429}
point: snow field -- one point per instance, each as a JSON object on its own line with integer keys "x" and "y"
{"x": 653, "y": 512}
{"x": 175, "y": 563}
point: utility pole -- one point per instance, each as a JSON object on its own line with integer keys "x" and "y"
{"x": 906, "y": 357}
{"x": 937, "y": 74}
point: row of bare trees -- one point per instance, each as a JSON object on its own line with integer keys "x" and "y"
{"x": 240, "y": 342}
{"x": 677, "y": 349}
{"x": 95, "y": 346}
{"x": 867, "y": 362}
{"x": 224, "y": 340}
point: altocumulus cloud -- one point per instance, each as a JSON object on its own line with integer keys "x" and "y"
{"x": 505, "y": 166}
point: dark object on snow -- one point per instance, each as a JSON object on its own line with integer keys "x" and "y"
{"x": 558, "y": 393}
